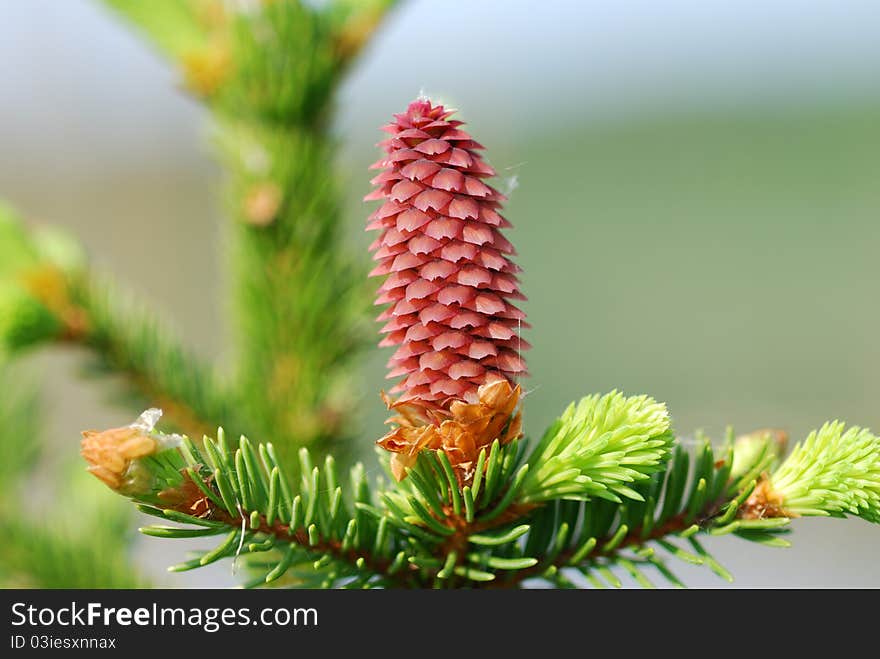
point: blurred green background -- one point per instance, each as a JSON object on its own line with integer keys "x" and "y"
{"x": 696, "y": 211}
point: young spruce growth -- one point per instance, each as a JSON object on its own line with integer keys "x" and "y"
{"x": 607, "y": 488}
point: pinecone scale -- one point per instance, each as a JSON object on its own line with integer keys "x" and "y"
{"x": 449, "y": 277}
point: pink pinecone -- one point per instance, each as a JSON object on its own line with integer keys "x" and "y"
{"x": 449, "y": 274}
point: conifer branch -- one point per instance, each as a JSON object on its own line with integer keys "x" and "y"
{"x": 606, "y": 491}
{"x": 48, "y": 295}
{"x": 429, "y": 530}
{"x": 300, "y": 301}
{"x": 300, "y": 298}
{"x": 131, "y": 341}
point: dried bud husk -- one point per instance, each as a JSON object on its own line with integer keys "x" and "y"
{"x": 114, "y": 455}
{"x": 764, "y": 502}
{"x": 187, "y": 498}
{"x": 461, "y": 431}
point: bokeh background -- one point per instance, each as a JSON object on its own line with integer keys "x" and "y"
{"x": 696, "y": 203}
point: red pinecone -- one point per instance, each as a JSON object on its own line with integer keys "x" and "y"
{"x": 450, "y": 277}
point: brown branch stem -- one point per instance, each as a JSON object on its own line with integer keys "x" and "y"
{"x": 300, "y": 536}
{"x": 189, "y": 501}
{"x": 674, "y": 524}
{"x": 413, "y": 576}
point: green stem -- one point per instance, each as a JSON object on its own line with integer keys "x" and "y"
{"x": 298, "y": 296}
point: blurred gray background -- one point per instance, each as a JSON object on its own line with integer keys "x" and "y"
{"x": 696, "y": 212}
